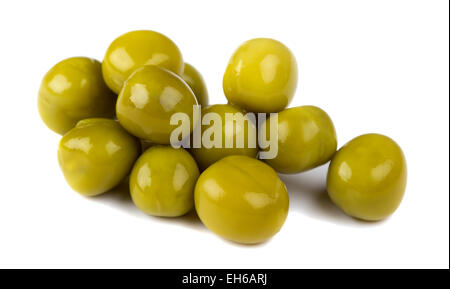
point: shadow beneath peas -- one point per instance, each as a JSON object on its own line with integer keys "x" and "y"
{"x": 308, "y": 195}
{"x": 120, "y": 198}
{"x": 190, "y": 220}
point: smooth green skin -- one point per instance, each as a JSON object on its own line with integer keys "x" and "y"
{"x": 306, "y": 139}
{"x": 261, "y": 76}
{"x": 162, "y": 181}
{"x": 73, "y": 90}
{"x": 134, "y": 49}
{"x": 96, "y": 155}
{"x": 241, "y": 199}
{"x": 367, "y": 177}
{"x": 148, "y": 100}
{"x": 207, "y": 156}
{"x": 196, "y": 82}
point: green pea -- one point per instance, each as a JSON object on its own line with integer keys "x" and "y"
{"x": 134, "y": 49}
{"x": 241, "y": 199}
{"x": 261, "y": 76}
{"x": 148, "y": 100}
{"x": 244, "y": 130}
{"x": 162, "y": 181}
{"x": 73, "y": 90}
{"x": 367, "y": 177}
{"x": 306, "y": 138}
{"x": 96, "y": 155}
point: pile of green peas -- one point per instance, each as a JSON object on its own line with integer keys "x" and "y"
{"x": 115, "y": 120}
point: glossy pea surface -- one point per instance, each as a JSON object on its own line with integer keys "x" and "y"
{"x": 367, "y": 177}
{"x": 261, "y": 76}
{"x": 134, "y": 49}
{"x": 206, "y": 156}
{"x": 162, "y": 181}
{"x": 241, "y": 199}
{"x": 196, "y": 82}
{"x": 96, "y": 155}
{"x": 306, "y": 139}
{"x": 148, "y": 100}
{"x": 73, "y": 90}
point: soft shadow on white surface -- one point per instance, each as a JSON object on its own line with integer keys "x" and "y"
{"x": 120, "y": 198}
{"x": 308, "y": 195}
{"x": 190, "y": 220}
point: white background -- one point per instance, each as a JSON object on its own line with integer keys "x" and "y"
{"x": 374, "y": 66}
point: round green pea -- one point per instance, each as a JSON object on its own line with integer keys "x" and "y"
{"x": 73, "y": 90}
{"x": 241, "y": 199}
{"x": 149, "y": 99}
{"x": 367, "y": 177}
{"x": 134, "y": 49}
{"x": 261, "y": 76}
{"x": 245, "y": 130}
{"x": 162, "y": 181}
{"x": 96, "y": 155}
{"x": 306, "y": 138}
